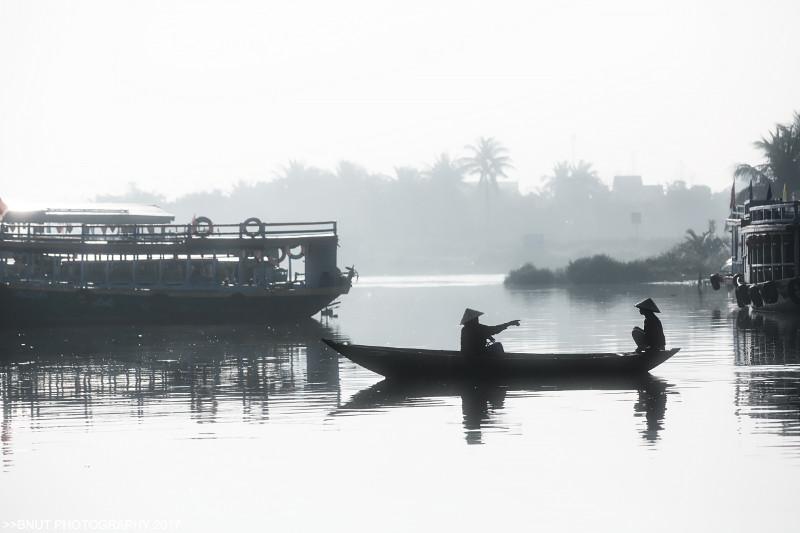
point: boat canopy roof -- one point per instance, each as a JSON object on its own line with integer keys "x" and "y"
{"x": 96, "y": 213}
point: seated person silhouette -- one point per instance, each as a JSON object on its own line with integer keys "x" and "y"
{"x": 475, "y": 336}
{"x": 652, "y": 336}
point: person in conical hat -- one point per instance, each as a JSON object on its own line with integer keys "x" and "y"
{"x": 470, "y": 314}
{"x": 652, "y": 336}
{"x": 648, "y": 305}
{"x": 474, "y": 335}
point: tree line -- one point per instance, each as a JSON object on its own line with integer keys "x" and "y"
{"x": 780, "y": 167}
{"x": 460, "y": 214}
{"x": 697, "y": 256}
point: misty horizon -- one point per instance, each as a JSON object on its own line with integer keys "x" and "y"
{"x": 185, "y": 97}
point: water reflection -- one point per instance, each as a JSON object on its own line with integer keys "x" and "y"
{"x": 72, "y": 377}
{"x": 767, "y": 387}
{"x": 761, "y": 339}
{"x": 483, "y": 402}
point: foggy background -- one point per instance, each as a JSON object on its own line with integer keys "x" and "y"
{"x": 316, "y": 110}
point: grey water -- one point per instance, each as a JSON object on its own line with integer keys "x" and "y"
{"x": 223, "y": 428}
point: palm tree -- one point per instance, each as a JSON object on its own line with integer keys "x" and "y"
{"x": 445, "y": 171}
{"x": 348, "y": 171}
{"x": 574, "y": 182}
{"x": 407, "y": 174}
{"x": 489, "y": 161}
{"x": 294, "y": 170}
{"x": 781, "y": 150}
{"x": 701, "y": 249}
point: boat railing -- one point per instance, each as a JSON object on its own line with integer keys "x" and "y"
{"x": 160, "y": 233}
{"x": 772, "y": 212}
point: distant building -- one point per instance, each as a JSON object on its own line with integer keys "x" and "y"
{"x": 627, "y": 185}
{"x": 652, "y": 193}
{"x": 631, "y": 188}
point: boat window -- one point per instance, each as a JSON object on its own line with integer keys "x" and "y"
{"x": 767, "y": 274}
{"x": 767, "y": 252}
{"x": 94, "y": 272}
{"x": 173, "y": 272}
{"x": 202, "y": 272}
{"x": 788, "y": 248}
{"x": 776, "y": 249}
{"x": 788, "y": 271}
{"x": 146, "y": 272}
{"x": 767, "y": 214}
{"x": 776, "y": 213}
{"x": 120, "y": 272}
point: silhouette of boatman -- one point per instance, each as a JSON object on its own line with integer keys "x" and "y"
{"x": 475, "y": 336}
{"x": 652, "y": 336}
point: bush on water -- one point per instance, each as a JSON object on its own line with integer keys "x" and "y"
{"x": 604, "y": 269}
{"x": 594, "y": 269}
{"x": 699, "y": 254}
{"x": 528, "y": 274}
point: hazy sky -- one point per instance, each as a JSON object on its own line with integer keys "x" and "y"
{"x": 193, "y": 95}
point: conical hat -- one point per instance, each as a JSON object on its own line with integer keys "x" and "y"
{"x": 648, "y": 305}
{"x": 469, "y": 314}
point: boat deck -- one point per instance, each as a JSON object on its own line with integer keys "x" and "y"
{"x": 156, "y": 239}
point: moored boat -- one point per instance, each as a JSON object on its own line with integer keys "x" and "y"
{"x": 120, "y": 263}
{"x": 414, "y": 363}
{"x": 765, "y": 256}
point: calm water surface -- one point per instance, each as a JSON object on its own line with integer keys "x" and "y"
{"x": 251, "y": 428}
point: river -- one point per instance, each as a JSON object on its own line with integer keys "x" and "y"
{"x": 245, "y": 428}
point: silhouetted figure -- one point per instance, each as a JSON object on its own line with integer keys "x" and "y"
{"x": 475, "y": 336}
{"x": 652, "y": 336}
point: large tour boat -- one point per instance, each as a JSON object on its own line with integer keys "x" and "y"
{"x": 128, "y": 263}
{"x": 765, "y": 266}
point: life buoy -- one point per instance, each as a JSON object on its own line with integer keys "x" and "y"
{"x": 252, "y": 227}
{"x": 755, "y": 296}
{"x": 793, "y": 290}
{"x": 740, "y": 291}
{"x": 769, "y": 291}
{"x": 296, "y": 256}
{"x": 742, "y": 296}
{"x": 202, "y": 226}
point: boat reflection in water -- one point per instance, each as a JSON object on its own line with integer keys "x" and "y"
{"x": 767, "y": 352}
{"x": 483, "y": 402}
{"x": 67, "y": 378}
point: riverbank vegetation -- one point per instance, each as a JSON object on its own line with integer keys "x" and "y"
{"x": 697, "y": 256}
{"x": 464, "y": 213}
{"x": 780, "y": 167}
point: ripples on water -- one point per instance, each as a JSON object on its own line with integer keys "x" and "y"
{"x": 252, "y": 418}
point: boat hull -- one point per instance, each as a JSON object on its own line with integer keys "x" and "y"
{"x": 405, "y": 363}
{"x": 24, "y": 306}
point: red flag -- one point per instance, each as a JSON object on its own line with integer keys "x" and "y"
{"x": 733, "y": 195}
{"x": 3, "y": 207}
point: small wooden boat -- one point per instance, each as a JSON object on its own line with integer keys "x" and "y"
{"x": 415, "y": 363}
